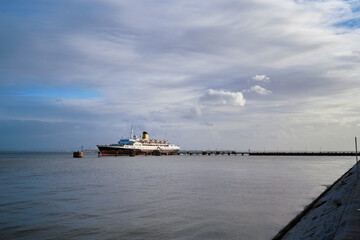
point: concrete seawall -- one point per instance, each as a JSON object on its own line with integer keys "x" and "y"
{"x": 335, "y": 214}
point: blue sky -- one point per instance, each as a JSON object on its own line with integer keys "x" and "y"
{"x": 217, "y": 74}
{"x": 47, "y": 92}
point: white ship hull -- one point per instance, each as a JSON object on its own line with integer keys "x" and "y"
{"x": 134, "y": 146}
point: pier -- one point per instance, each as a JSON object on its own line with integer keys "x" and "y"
{"x": 263, "y": 153}
{"x": 211, "y": 152}
{"x": 327, "y": 153}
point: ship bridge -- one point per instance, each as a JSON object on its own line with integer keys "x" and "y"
{"x": 126, "y": 141}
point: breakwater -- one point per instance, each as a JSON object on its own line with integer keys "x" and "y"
{"x": 269, "y": 153}
{"x": 211, "y": 152}
{"x": 331, "y": 153}
{"x": 333, "y": 215}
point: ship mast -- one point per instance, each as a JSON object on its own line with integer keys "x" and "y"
{"x": 132, "y": 132}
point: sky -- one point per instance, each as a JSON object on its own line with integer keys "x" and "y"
{"x": 218, "y": 74}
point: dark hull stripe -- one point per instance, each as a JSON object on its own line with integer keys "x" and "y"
{"x": 111, "y": 151}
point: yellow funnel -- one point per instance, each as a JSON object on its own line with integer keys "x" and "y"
{"x": 145, "y": 135}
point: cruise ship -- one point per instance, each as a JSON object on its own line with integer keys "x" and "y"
{"x": 138, "y": 146}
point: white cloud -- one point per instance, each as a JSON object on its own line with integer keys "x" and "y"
{"x": 157, "y": 54}
{"x": 261, "y": 78}
{"x": 223, "y": 97}
{"x": 260, "y": 90}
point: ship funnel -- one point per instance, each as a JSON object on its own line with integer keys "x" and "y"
{"x": 145, "y": 135}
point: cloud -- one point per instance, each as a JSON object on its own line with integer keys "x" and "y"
{"x": 192, "y": 113}
{"x": 261, "y": 78}
{"x": 223, "y": 97}
{"x": 102, "y": 58}
{"x": 260, "y": 90}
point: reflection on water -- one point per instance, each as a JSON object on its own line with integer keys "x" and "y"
{"x": 52, "y": 195}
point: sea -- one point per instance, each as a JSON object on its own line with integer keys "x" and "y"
{"x": 51, "y": 195}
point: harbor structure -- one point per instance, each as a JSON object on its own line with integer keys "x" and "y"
{"x": 335, "y": 214}
{"x": 268, "y": 153}
{"x": 78, "y": 154}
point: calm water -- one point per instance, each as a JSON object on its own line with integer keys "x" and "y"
{"x": 52, "y": 195}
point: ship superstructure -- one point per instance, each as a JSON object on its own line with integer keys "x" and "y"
{"x": 139, "y": 146}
